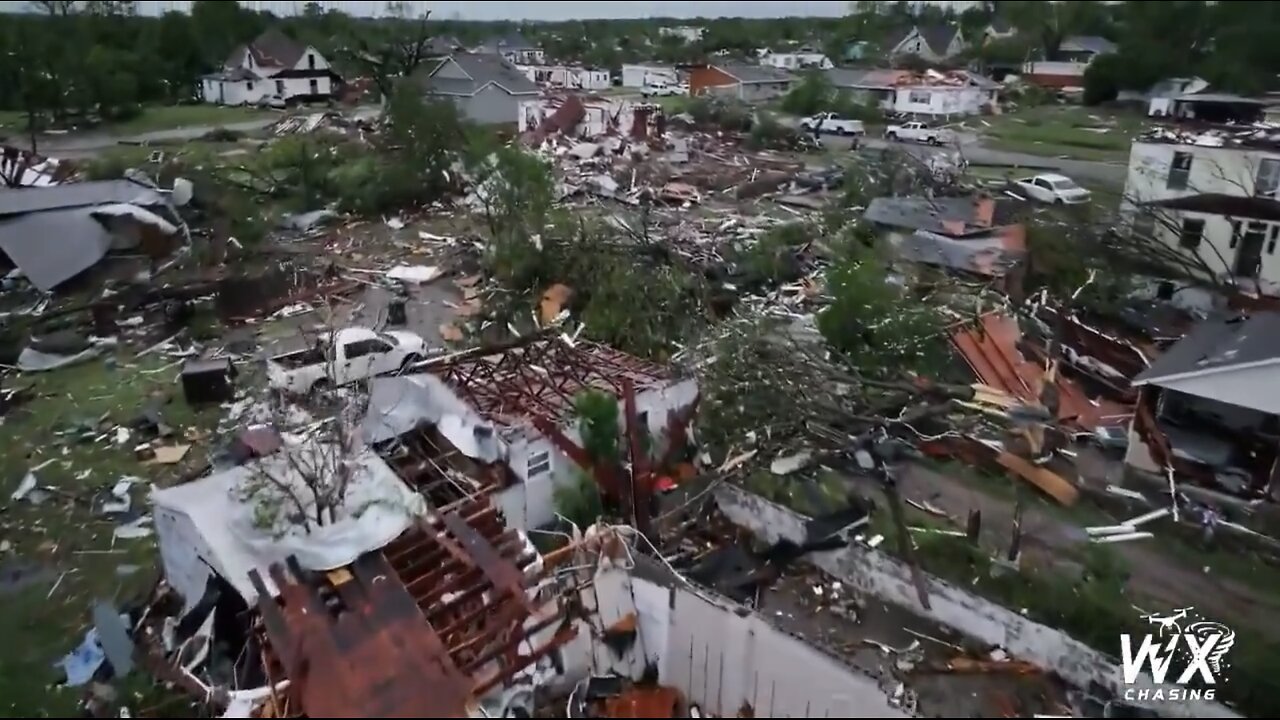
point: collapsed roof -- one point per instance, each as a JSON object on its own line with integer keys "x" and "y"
{"x": 55, "y": 233}
{"x": 216, "y": 524}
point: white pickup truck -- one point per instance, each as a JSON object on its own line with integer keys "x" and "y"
{"x": 918, "y": 132}
{"x": 663, "y": 90}
{"x": 348, "y": 355}
{"x": 828, "y": 122}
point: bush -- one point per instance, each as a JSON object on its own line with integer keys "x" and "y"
{"x": 725, "y": 114}
{"x": 579, "y": 501}
{"x": 772, "y": 258}
{"x": 769, "y": 134}
{"x": 873, "y": 321}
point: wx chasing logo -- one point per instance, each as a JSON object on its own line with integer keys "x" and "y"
{"x": 1199, "y": 645}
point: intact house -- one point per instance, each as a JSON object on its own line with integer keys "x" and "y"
{"x": 805, "y": 57}
{"x": 1065, "y": 69}
{"x": 486, "y": 88}
{"x": 500, "y": 408}
{"x": 574, "y": 77}
{"x": 1212, "y": 198}
{"x": 52, "y": 234}
{"x": 745, "y": 82}
{"x": 934, "y": 43}
{"x": 998, "y": 29}
{"x": 1209, "y": 407}
{"x": 272, "y": 67}
{"x": 441, "y": 45}
{"x": 932, "y": 93}
{"x": 641, "y": 75}
{"x": 514, "y": 48}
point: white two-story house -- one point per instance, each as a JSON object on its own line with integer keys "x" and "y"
{"x": 1213, "y": 197}
{"x": 274, "y": 67}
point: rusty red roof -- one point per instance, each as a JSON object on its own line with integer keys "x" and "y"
{"x": 991, "y": 350}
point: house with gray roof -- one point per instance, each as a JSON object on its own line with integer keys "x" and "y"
{"x": 1213, "y": 400}
{"x": 934, "y": 43}
{"x": 273, "y": 67}
{"x": 750, "y": 83}
{"x": 486, "y": 87}
{"x": 514, "y": 47}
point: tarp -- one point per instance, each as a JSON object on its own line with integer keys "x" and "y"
{"x": 216, "y": 524}
{"x": 400, "y": 404}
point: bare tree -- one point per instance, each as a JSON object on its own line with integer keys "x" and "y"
{"x": 306, "y": 483}
{"x": 399, "y": 52}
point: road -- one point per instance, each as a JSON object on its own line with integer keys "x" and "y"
{"x": 82, "y": 145}
{"x": 90, "y": 144}
{"x": 971, "y": 147}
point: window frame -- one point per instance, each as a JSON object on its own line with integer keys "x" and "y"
{"x": 1180, "y": 177}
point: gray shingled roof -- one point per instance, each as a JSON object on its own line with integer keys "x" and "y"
{"x": 1218, "y": 344}
{"x": 929, "y": 214}
{"x": 755, "y": 73}
{"x": 270, "y": 49}
{"x": 483, "y": 68}
{"x": 1087, "y": 43}
{"x": 100, "y": 192}
{"x": 938, "y": 37}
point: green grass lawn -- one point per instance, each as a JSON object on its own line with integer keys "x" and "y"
{"x": 159, "y": 117}
{"x": 65, "y": 535}
{"x": 1056, "y": 131}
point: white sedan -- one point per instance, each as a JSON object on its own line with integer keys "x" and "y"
{"x": 1052, "y": 188}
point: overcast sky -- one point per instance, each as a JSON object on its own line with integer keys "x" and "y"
{"x": 502, "y": 10}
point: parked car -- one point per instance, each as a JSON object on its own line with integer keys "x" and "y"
{"x": 272, "y": 101}
{"x": 1053, "y": 188}
{"x": 663, "y": 90}
{"x": 348, "y": 355}
{"x": 829, "y": 122}
{"x": 917, "y": 131}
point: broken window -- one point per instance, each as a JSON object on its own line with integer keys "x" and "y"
{"x": 250, "y": 85}
{"x": 1268, "y": 180}
{"x": 311, "y": 61}
{"x": 280, "y": 88}
{"x": 1180, "y": 171}
{"x": 1192, "y": 233}
{"x": 315, "y": 87}
{"x": 922, "y": 97}
{"x": 539, "y": 464}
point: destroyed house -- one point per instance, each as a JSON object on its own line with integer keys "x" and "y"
{"x": 54, "y": 233}
{"x": 1209, "y": 407}
{"x": 972, "y": 235}
{"x": 216, "y": 527}
{"x": 515, "y": 408}
{"x": 458, "y": 617}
